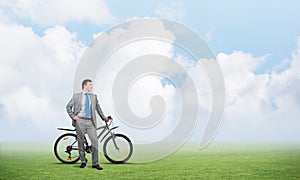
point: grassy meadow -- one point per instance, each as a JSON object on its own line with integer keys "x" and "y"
{"x": 217, "y": 161}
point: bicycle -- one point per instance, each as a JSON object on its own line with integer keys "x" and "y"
{"x": 117, "y": 148}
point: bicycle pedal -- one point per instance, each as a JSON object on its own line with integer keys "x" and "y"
{"x": 88, "y": 149}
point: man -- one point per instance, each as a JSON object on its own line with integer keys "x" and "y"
{"x": 82, "y": 110}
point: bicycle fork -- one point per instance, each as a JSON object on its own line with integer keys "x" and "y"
{"x": 114, "y": 141}
{"x": 113, "y": 137}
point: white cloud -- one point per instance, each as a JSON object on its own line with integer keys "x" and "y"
{"x": 48, "y": 13}
{"x": 260, "y": 107}
{"x": 171, "y": 11}
{"x": 238, "y": 70}
{"x": 3, "y": 16}
{"x": 37, "y": 75}
{"x": 142, "y": 90}
{"x": 36, "y": 78}
{"x": 23, "y": 103}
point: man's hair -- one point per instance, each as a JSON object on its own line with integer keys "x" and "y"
{"x": 84, "y": 82}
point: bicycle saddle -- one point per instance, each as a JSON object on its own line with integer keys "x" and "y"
{"x": 64, "y": 129}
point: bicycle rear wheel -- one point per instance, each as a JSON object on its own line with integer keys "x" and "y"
{"x": 117, "y": 150}
{"x": 66, "y": 148}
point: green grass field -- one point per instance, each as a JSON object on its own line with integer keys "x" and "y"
{"x": 217, "y": 161}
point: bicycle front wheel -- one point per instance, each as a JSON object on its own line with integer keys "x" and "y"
{"x": 117, "y": 148}
{"x": 66, "y": 148}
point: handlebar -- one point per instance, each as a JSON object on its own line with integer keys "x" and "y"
{"x": 110, "y": 118}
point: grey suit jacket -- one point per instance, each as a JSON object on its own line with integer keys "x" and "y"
{"x": 74, "y": 105}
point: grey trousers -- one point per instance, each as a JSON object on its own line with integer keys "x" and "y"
{"x": 84, "y": 126}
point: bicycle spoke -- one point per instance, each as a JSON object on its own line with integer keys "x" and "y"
{"x": 118, "y": 149}
{"x": 66, "y": 148}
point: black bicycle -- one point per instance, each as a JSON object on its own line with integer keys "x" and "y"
{"x": 117, "y": 148}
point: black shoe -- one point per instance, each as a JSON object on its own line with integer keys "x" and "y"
{"x": 97, "y": 167}
{"x": 82, "y": 165}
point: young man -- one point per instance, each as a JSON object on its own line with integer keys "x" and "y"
{"x": 82, "y": 110}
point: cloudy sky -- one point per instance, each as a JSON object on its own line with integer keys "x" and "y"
{"x": 257, "y": 45}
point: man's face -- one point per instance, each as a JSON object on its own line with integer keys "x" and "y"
{"x": 89, "y": 86}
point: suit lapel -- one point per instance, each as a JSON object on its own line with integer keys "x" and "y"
{"x": 92, "y": 100}
{"x": 92, "y": 96}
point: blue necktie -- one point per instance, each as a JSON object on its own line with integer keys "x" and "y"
{"x": 87, "y": 106}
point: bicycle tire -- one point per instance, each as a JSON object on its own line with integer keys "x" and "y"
{"x": 56, "y": 151}
{"x": 118, "y": 161}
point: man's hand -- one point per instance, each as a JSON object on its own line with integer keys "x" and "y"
{"x": 76, "y": 118}
{"x": 106, "y": 119}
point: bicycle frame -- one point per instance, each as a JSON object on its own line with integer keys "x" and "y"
{"x": 105, "y": 127}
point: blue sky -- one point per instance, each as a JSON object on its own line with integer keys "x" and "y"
{"x": 257, "y": 44}
{"x": 259, "y": 27}
{"x": 251, "y": 26}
